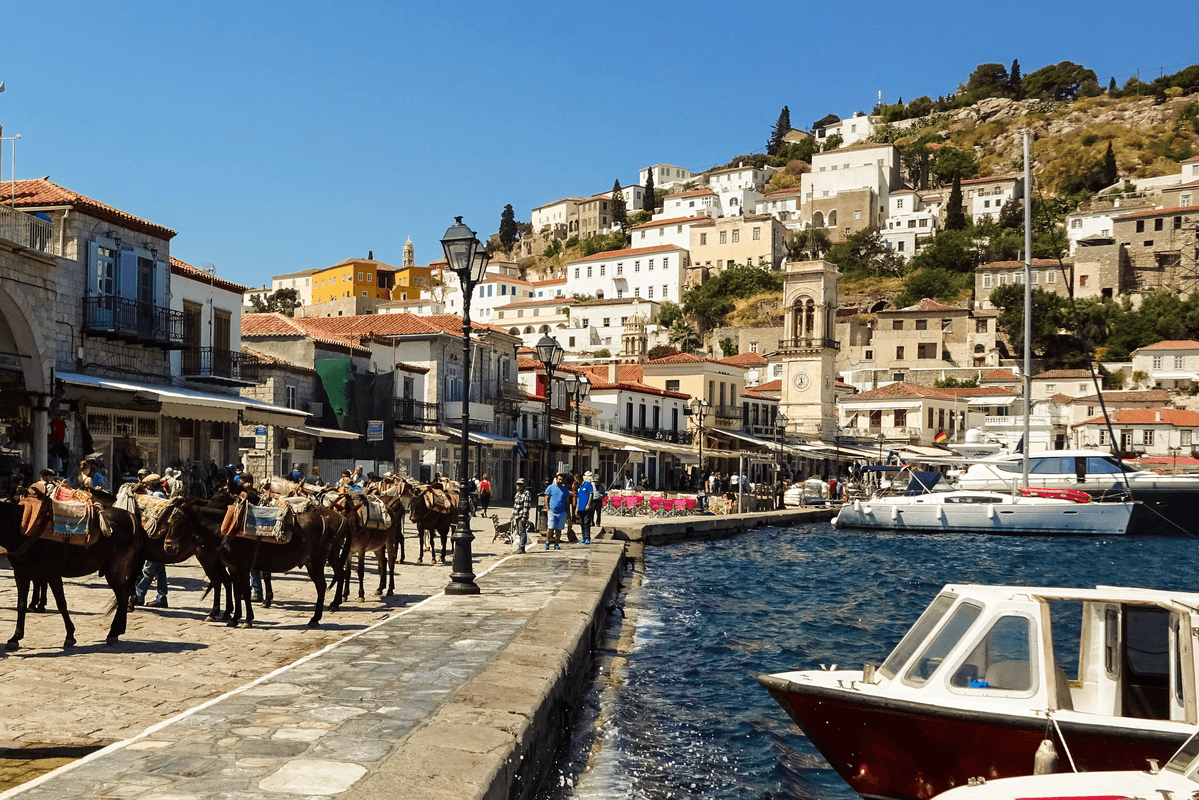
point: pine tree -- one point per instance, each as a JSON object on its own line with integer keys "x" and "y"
{"x": 509, "y": 233}
{"x": 651, "y": 198}
{"x": 620, "y": 214}
{"x": 955, "y": 213}
{"x": 1015, "y": 81}
{"x": 1107, "y": 167}
{"x": 780, "y": 129}
{"x": 1111, "y": 85}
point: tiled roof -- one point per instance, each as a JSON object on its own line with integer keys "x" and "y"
{"x": 900, "y": 390}
{"x": 692, "y": 193}
{"x": 688, "y": 358}
{"x": 1149, "y": 416}
{"x": 775, "y": 385}
{"x": 186, "y": 270}
{"x": 371, "y": 262}
{"x": 1172, "y": 344}
{"x": 549, "y": 282}
{"x": 1036, "y": 262}
{"x": 41, "y": 192}
{"x": 1061, "y": 398}
{"x": 1142, "y": 396}
{"x": 1001, "y": 375}
{"x": 1060, "y": 374}
{"x": 277, "y": 324}
{"x": 628, "y": 252}
{"x": 271, "y": 361}
{"x": 1159, "y": 212}
{"x": 991, "y": 179}
{"x": 664, "y": 222}
{"x": 745, "y": 360}
{"x": 927, "y": 305}
{"x": 404, "y": 367}
{"x": 978, "y": 391}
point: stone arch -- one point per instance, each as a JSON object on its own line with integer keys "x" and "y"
{"x": 514, "y": 331}
{"x": 544, "y": 329}
{"x": 832, "y": 219}
{"x": 528, "y": 329}
{"x": 17, "y": 335}
{"x": 803, "y": 317}
{"x": 599, "y": 294}
{"x": 978, "y": 348}
{"x": 817, "y": 219}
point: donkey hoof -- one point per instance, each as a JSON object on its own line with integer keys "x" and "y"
{"x": 390, "y": 593}
{"x": 68, "y": 642}
{"x": 210, "y": 618}
{"x": 266, "y": 604}
{"x": 247, "y": 624}
{"x": 111, "y": 641}
{"x": 313, "y": 624}
{"x": 378, "y": 593}
{"x": 12, "y": 644}
{"x": 233, "y": 623}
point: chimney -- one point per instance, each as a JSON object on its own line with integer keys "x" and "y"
{"x": 613, "y": 371}
{"x": 370, "y": 255}
{"x": 1159, "y": 416}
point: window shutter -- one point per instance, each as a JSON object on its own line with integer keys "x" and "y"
{"x": 127, "y": 274}
{"x": 162, "y": 284}
{"x": 97, "y": 269}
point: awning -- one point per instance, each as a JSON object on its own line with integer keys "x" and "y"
{"x": 618, "y": 441}
{"x": 478, "y": 437}
{"x": 258, "y": 412}
{"x": 175, "y": 401}
{"x": 764, "y": 443}
{"x": 326, "y": 433}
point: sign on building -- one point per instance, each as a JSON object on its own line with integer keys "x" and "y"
{"x": 374, "y": 430}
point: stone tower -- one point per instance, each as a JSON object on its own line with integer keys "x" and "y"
{"x": 634, "y": 340}
{"x": 808, "y": 348}
{"x": 409, "y": 254}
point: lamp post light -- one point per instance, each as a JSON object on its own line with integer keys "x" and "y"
{"x": 467, "y": 257}
{"x": 699, "y": 409}
{"x": 577, "y": 387}
{"x": 880, "y": 439}
{"x": 550, "y": 353}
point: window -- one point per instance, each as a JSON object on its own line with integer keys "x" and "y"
{"x": 901, "y": 418}
{"x": 986, "y": 280}
{"x": 368, "y": 277}
{"x": 926, "y": 350}
{"x": 1157, "y": 362}
{"x": 1082, "y": 280}
{"x": 869, "y": 355}
{"x": 572, "y": 342}
{"x": 650, "y": 265}
{"x": 724, "y": 237}
{"x": 896, "y": 324}
{"x": 291, "y": 397}
{"x": 1036, "y": 276}
{"x": 1184, "y": 438}
{"x": 899, "y": 353}
{"x": 636, "y": 291}
{"x": 1148, "y": 436}
{"x": 1002, "y": 660}
{"x": 672, "y": 386}
{"x": 588, "y": 271}
{"x": 857, "y": 214}
{"x": 980, "y": 326}
{"x": 650, "y": 293}
{"x": 757, "y": 234}
{"x": 665, "y": 287}
{"x": 360, "y": 277}
{"x": 1158, "y": 224}
{"x": 607, "y": 322}
{"x": 911, "y": 223}
{"x": 584, "y": 322}
{"x": 1178, "y": 361}
{"x": 703, "y": 238}
{"x": 643, "y": 234}
{"x": 778, "y": 371}
{"x": 915, "y": 637}
{"x": 619, "y": 268}
{"x": 753, "y": 347}
{"x": 1140, "y": 226}
{"x": 946, "y": 639}
{"x": 576, "y": 273}
{"x": 603, "y": 269}
{"x": 665, "y": 263}
{"x": 736, "y": 236}
{"x": 1051, "y": 277}
{"x": 1075, "y": 224}
{"x": 921, "y": 324}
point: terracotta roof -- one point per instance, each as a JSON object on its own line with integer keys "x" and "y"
{"x": 41, "y": 192}
{"x": 781, "y": 192}
{"x": 627, "y": 253}
{"x": 1036, "y": 262}
{"x": 663, "y": 222}
{"x": 1159, "y": 212}
{"x": 745, "y": 360}
{"x": 1060, "y": 374}
{"x": 903, "y": 389}
{"x": 688, "y": 358}
{"x": 1141, "y": 396}
{"x": 978, "y": 391}
{"x": 625, "y": 373}
{"x": 271, "y": 361}
{"x": 1061, "y": 398}
{"x": 692, "y": 193}
{"x": 1149, "y": 416}
{"x": 186, "y": 270}
{"x": 775, "y": 385}
{"x": 1001, "y": 375}
{"x": 549, "y": 282}
{"x": 990, "y": 179}
{"x": 404, "y": 367}
{"x": 929, "y": 305}
{"x": 371, "y": 262}
{"x": 277, "y": 324}
{"x": 1172, "y": 344}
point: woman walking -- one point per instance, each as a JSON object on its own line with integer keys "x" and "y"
{"x": 485, "y": 493}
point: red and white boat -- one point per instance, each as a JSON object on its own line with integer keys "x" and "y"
{"x": 979, "y": 682}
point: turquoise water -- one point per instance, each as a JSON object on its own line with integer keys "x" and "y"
{"x": 690, "y": 720}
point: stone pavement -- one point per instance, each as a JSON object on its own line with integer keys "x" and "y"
{"x": 458, "y": 696}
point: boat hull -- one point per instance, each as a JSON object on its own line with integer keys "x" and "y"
{"x": 1015, "y": 519}
{"x": 888, "y": 748}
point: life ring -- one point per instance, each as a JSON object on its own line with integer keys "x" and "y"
{"x": 1160, "y": 471}
{"x": 1074, "y": 495}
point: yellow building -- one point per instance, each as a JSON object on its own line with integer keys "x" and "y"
{"x": 354, "y": 277}
{"x": 411, "y": 281}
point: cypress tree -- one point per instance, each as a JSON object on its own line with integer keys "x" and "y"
{"x": 620, "y": 214}
{"x": 651, "y": 198}
{"x": 509, "y": 233}
{"x": 955, "y": 213}
{"x": 1015, "y": 80}
{"x": 780, "y": 129}
{"x": 1107, "y": 167}
{"x": 1111, "y": 85}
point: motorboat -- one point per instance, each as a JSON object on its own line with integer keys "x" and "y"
{"x": 989, "y": 672}
{"x": 1179, "y": 777}
{"x": 1035, "y": 511}
{"x": 1166, "y": 503}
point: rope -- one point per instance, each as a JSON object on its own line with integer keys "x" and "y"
{"x": 1065, "y": 746}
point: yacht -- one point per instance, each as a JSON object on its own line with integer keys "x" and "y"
{"x": 1165, "y": 503}
{"x": 987, "y": 673}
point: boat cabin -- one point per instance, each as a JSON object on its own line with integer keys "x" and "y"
{"x": 1108, "y": 651}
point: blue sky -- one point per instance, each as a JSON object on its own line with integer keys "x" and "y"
{"x": 280, "y": 136}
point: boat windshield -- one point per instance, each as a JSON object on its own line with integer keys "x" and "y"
{"x": 1184, "y": 761}
{"x": 918, "y": 633}
{"x": 1002, "y": 660}
{"x": 946, "y": 639}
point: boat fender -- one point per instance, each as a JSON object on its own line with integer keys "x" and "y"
{"x": 833, "y": 521}
{"x": 1045, "y": 761}
{"x": 991, "y": 511}
{"x": 894, "y": 513}
{"x": 940, "y": 512}
{"x": 857, "y": 505}
{"x": 867, "y": 510}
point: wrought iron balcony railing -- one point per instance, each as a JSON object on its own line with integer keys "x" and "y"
{"x": 726, "y": 412}
{"x": 661, "y": 435}
{"x": 215, "y": 365}
{"x": 414, "y": 413}
{"x": 27, "y": 230}
{"x": 131, "y": 320}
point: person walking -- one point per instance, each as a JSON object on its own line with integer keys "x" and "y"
{"x": 485, "y": 493}
{"x": 585, "y": 503}
{"x": 315, "y": 479}
{"x": 83, "y": 478}
{"x": 521, "y": 504}
{"x": 573, "y": 515}
{"x": 601, "y": 491}
{"x": 557, "y": 507}
{"x": 152, "y": 571}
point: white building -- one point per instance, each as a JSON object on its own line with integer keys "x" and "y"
{"x": 655, "y": 273}
{"x": 857, "y": 128}
{"x": 300, "y": 281}
{"x": 666, "y": 176}
{"x": 985, "y": 197}
{"x": 675, "y": 232}
{"x": 212, "y": 309}
{"x": 739, "y": 187}
{"x": 689, "y": 204}
{"x": 560, "y": 217}
{"x": 784, "y": 205}
{"x": 863, "y": 167}
{"x": 911, "y": 217}
{"x": 1172, "y": 364}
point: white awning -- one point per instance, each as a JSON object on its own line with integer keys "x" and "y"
{"x": 478, "y": 437}
{"x": 619, "y": 441}
{"x": 769, "y": 445}
{"x": 262, "y": 413}
{"x": 326, "y": 433}
{"x": 175, "y": 401}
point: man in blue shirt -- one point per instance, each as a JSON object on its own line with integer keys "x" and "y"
{"x": 557, "y": 505}
{"x": 586, "y": 507}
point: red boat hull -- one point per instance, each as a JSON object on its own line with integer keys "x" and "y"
{"x": 897, "y": 749}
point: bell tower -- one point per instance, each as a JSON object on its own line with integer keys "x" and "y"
{"x": 808, "y": 347}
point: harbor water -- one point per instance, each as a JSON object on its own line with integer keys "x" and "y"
{"x": 689, "y": 720}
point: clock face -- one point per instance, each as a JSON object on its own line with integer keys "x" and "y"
{"x": 801, "y": 380}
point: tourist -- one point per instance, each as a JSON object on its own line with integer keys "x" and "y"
{"x": 347, "y": 482}
{"x": 644, "y": 482}
{"x": 628, "y": 482}
{"x": 98, "y": 480}
{"x": 585, "y": 503}
{"x": 485, "y": 493}
{"x": 557, "y": 507}
{"x": 83, "y": 478}
{"x": 44, "y": 483}
{"x": 297, "y": 475}
{"x": 358, "y": 479}
{"x": 601, "y": 491}
{"x": 315, "y": 479}
{"x": 572, "y": 515}
{"x": 521, "y": 504}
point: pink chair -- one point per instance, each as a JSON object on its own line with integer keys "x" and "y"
{"x": 690, "y": 501}
{"x": 617, "y": 503}
{"x": 637, "y": 503}
{"x": 655, "y": 504}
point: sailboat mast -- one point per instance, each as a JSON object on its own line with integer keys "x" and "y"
{"x": 1027, "y": 305}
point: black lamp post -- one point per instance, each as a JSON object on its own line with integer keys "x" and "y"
{"x": 467, "y": 257}
{"x": 699, "y": 409}
{"x": 550, "y": 353}
{"x": 578, "y": 387}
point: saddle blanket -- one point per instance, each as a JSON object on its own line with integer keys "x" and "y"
{"x": 265, "y": 522}
{"x": 375, "y": 514}
{"x": 298, "y": 504}
{"x": 71, "y": 518}
{"x": 441, "y": 500}
{"x": 151, "y": 511}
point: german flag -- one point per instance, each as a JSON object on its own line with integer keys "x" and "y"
{"x": 941, "y": 437}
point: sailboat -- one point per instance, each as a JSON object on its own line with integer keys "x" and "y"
{"x": 917, "y": 507}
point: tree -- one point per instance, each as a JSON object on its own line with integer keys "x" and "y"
{"x": 1011, "y": 215}
{"x": 683, "y": 336}
{"x": 1050, "y": 314}
{"x": 651, "y": 197}
{"x": 935, "y": 283}
{"x": 953, "y": 383}
{"x": 949, "y": 162}
{"x": 780, "y": 129}
{"x": 669, "y": 313}
{"x": 825, "y": 121}
{"x": 285, "y": 301}
{"x": 728, "y": 347}
{"x": 1111, "y": 86}
{"x": 709, "y": 302}
{"x": 1106, "y": 168}
{"x": 509, "y": 232}
{"x": 660, "y": 351}
{"x": 1015, "y": 83}
{"x": 605, "y": 353}
{"x": 808, "y": 244}
{"x": 955, "y": 213}
{"x": 987, "y": 80}
{"x": 620, "y": 214}
{"x": 1061, "y": 81}
{"x": 833, "y": 142}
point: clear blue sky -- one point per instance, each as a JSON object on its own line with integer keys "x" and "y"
{"x": 280, "y": 136}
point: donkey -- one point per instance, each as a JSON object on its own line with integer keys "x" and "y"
{"x": 434, "y": 509}
{"x": 397, "y": 497}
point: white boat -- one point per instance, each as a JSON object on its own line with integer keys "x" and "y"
{"x": 988, "y": 672}
{"x": 1178, "y": 778}
{"x": 1166, "y": 502}
{"x": 920, "y": 509}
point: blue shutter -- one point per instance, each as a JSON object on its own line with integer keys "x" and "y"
{"x": 127, "y": 274}
{"x": 162, "y": 284}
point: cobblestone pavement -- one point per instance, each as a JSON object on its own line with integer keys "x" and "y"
{"x": 170, "y": 660}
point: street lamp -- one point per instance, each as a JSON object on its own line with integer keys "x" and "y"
{"x": 699, "y": 409}
{"x": 880, "y": 439}
{"x": 780, "y": 428}
{"x": 550, "y": 353}
{"x": 467, "y": 257}
{"x": 578, "y": 387}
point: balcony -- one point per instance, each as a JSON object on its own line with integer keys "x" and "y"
{"x": 214, "y": 365}
{"x": 809, "y": 343}
{"x": 128, "y": 320}
{"x": 27, "y": 230}
{"x": 727, "y": 412}
{"x": 415, "y": 414}
{"x": 675, "y": 437}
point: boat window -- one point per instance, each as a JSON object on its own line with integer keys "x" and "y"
{"x": 1010, "y": 466}
{"x": 1002, "y": 660}
{"x": 918, "y": 633}
{"x": 1146, "y": 664}
{"x": 1174, "y": 626}
{"x": 971, "y": 498}
{"x": 1186, "y": 754}
{"x": 1111, "y": 641}
{"x": 1055, "y": 465}
{"x": 945, "y": 640}
{"x": 1104, "y": 466}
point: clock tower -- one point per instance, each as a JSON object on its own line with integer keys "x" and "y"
{"x": 808, "y": 349}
